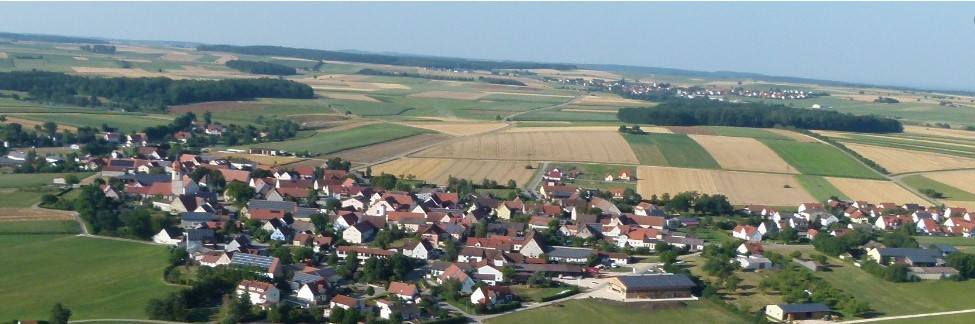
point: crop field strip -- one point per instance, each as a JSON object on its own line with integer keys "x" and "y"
{"x": 904, "y": 161}
{"x": 742, "y": 153}
{"x": 960, "y": 148}
{"x": 675, "y": 150}
{"x": 819, "y": 187}
{"x": 920, "y": 182}
{"x": 606, "y": 147}
{"x": 746, "y": 132}
{"x": 875, "y": 190}
{"x": 434, "y": 170}
{"x": 739, "y": 187}
{"x": 330, "y": 142}
{"x": 821, "y": 159}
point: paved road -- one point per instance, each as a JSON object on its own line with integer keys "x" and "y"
{"x": 889, "y": 318}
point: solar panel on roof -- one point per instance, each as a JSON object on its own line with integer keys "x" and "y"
{"x": 252, "y": 260}
{"x": 301, "y": 277}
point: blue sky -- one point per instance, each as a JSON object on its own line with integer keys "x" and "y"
{"x": 913, "y": 44}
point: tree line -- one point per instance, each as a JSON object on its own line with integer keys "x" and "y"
{"x": 258, "y": 67}
{"x": 412, "y": 75}
{"x": 147, "y": 94}
{"x": 98, "y": 49}
{"x": 404, "y": 60}
{"x": 501, "y": 81}
{"x": 703, "y": 111}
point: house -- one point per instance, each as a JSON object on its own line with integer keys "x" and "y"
{"x": 652, "y": 286}
{"x": 750, "y": 248}
{"x": 270, "y": 265}
{"x": 619, "y": 259}
{"x": 458, "y": 273}
{"x": 608, "y": 178}
{"x": 570, "y": 254}
{"x": 753, "y": 262}
{"x": 407, "y": 311}
{"x": 796, "y": 312}
{"x": 418, "y": 249}
{"x": 931, "y": 273}
{"x": 491, "y": 295}
{"x": 196, "y": 238}
{"x": 553, "y": 175}
{"x": 809, "y": 264}
{"x": 625, "y": 175}
{"x": 403, "y": 290}
{"x": 359, "y": 233}
{"x": 344, "y": 302}
{"x": 557, "y": 192}
{"x": 747, "y": 232}
{"x": 259, "y": 293}
{"x": 929, "y": 226}
{"x": 183, "y": 136}
{"x": 168, "y": 236}
{"x": 907, "y": 256}
{"x": 312, "y": 293}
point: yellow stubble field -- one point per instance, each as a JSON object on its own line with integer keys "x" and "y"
{"x": 569, "y": 146}
{"x": 875, "y": 191}
{"x": 902, "y": 161}
{"x": 438, "y": 170}
{"x": 739, "y": 187}
{"x": 742, "y": 153}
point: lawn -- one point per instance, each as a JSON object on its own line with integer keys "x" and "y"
{"x": 39, "y": 227}
{"x": 964, "y": 318}
{"x": 123, "y": 122}
{"x": 331, "y": 142}
{"x": 20, "y": 198}
{"x": 821, "y": 159}
{"x": 921, "y": 182}
{"x": 952, "y": 240}
{"x": 95, "y": 278}
{"x": 819, "y": 187}
{"x": 601, "y": 311}
{"x": 891, "y": 299}
{"x": 594, "y": 172}
{"x": 536, "y": 294}
{"x": 745, "y": 132}
{"x": 22, "y": 180}
{"x": 674, "y": 150}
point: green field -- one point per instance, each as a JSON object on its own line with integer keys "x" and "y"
{"x": 964, "y": 318}
{"x": 919, "y": 182}
{"x": 821, "y": 159}
{"x": 674, "y": 150}
{"x": 95, "y": 278}
{"x": 331, "y": 142}
{"x": 891, "y": 299}
{"x": 39, "y": 227}
{"x": 23, "y": 198}
{"x": 819, "y": 187}
{"x": 952, "y": 240}
{"x": 745, "y": 132}
{"x": 535, "y": 294}
{"x": 22, "y": 180}
{"x": 600, "y": 311}
{"x": 125, "y": 123}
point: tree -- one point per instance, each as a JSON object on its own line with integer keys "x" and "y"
{"x": 59, "y": 314}
{"x": 731, "y": 283}
{"x": 508, "y": 273}
{"x": 963, "y": 262}
{"x": 71, "y": 179}
{"x": 337, "y": 314}
{"x": 208, "y": 117}
{"x": 370, "y": 291}
{"x": 240, "y": 192}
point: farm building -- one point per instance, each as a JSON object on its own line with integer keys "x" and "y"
{"x": 794, "y": 312}
{"x": 654, "y": 286}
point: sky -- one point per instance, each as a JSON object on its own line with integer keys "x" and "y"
{"x": 927, "y": 45}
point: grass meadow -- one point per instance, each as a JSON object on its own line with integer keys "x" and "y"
{"x": 675, "y": 150}
{"x": 821, "y": 159}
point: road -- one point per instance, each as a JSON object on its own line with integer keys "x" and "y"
{"x": 888, "y": 318}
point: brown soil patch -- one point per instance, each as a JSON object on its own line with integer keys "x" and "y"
{"x": 875, "y": 190}
{"x": 457, "y": 128}
{"x": 32, "y": 214}
{"x": 29, "y": 124}
{"x": 377, "y": 152}
{"x": 450, "y": 95}
{"x": 689, "y": 130}
{"x": 350, "y": 96}
{"x": 902, "y": 161}
{"x": 741, "y": 153}
{"x": 609, "y": 100}
{"x": 438, "y": 170}
{"x": 606, "y": 147}
{"x": 527, "y": 94}
{"x": 739, "y": 187}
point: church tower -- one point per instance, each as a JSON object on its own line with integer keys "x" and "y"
{"x": 177, "y": 179}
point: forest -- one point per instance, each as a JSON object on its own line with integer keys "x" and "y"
{"x": 258, "y": 67}
{"x": 99, "y": 49}
{"x": 703, "y": 111}
{"x": 418, "y": 61}
{"x": 144, "y": 94}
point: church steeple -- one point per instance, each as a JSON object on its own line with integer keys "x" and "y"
{"x": 177, "y": 179}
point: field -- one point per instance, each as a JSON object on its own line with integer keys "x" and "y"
{"x": 963, "y": 318}
{"x": 891, "y": 299}
{"x": 793, "y": 135}
{"x": 740, "y": 187}
{"x": 606, "y": 147}
{"x": 22, "y": 180}
{"x": 912, "y": 142}
{"x": 601, "y": 311}
{"x": 963, "y": 180}
{"x": 670, "y": 150}
{"x": 741, "y": 153}
{"x": 350, "y": 96}
{"x": 904, "y": 161}
{"x": 331, "y": 142}
{"x": 819, "y": 187}
{"x": 451, "y": 95}
{"x": 438, "y": 170}
{"x": 821, "y": 159}
{"x": 875, "y": 191}
{"x": 125, "y": 123}
{"x": 747, "y": 132}
{"x": 378, "y": 152}
{"x": 262, "y": 159}
{"x": 457, "y": 128}
{"x": 957, "y": 133}
{"x": 38, "y": 227}
{"x": 95, "y": 278}
{"x": 950, "y": 193}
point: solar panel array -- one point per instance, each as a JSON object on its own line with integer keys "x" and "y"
{"x": 245, "y": 259}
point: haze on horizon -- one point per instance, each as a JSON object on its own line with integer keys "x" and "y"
{"x": 926, "y": 45}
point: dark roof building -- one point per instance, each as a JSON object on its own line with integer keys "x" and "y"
{"x": 795, "y": 312}
{"x": 653, "y": 286}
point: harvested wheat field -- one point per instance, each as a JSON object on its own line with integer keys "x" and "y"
{"x": 117, "y": 72}
{"x": 608, "y": 100}
{"x": 440, "y": 94}
{"x": 739, "y": 187}
{"x": 180, "y": 57}
{"x": 457, "y": 128}
{"x": 350, "y": 96}
{"x": 378, "y": 85}
{"x": 568, "y": 146}
{"x": 970, "y": 205}
{"x": 940, "y": 132}
{"x": 742, "y": 153}
{"x": 902, "y": 161}
{"x": 385, "y": 150}
{"x": 962, "y": 179}
{"x": 438, "y": 170}
{"x": 874, "y": 190}
{"x": 29, "y": 124}
{"x": 793, "y": 135}
{"x": 530, "y": 129}
{"x": 141, "y": 50}
{"x": 32, "y": 214}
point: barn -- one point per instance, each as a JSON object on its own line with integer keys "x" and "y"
{"x": 652, "y": 286}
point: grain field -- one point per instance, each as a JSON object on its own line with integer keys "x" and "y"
{"x": 903, "y": 161}
{"x": 605, "y": 147}
{"x": 875, "y": 191}
{"x": 742, "y": 153}
{"x": 438, "y": 170}
{"x": 739, "y": 187}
